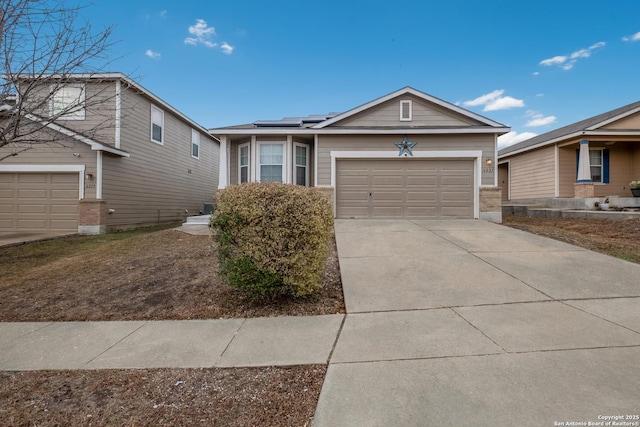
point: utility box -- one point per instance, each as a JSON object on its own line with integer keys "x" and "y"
{"x": 208, "y": 208}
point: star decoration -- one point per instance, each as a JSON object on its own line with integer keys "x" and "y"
{"x": 405, "y": 147}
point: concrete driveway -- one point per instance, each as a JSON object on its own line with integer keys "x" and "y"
{"x": 474, "y": 323}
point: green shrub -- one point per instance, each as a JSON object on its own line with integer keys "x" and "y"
{"x": 272, "y": 238}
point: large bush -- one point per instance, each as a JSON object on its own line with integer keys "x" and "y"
{"x": 272, "y": 238}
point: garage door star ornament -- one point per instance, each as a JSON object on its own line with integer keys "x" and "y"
{"x": 405, "y": 147}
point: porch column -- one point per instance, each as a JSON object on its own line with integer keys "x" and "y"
{"x": 223, "y": 173}
{"x": 584, "y": 166}
{"x": 583, "y": 188}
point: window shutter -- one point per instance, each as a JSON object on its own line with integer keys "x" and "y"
{"x": 605, "y": 166}
{"x": 577, "y": 162}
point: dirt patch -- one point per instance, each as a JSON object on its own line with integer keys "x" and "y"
{"x": 616, "y": 238}
{"x": 158, "y": 275}
{"x": 274, "y": 396}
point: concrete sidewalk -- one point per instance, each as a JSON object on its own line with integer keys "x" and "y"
{"x": 168, "y": 344}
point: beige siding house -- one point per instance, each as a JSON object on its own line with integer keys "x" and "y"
{"x": 547, "y": 166}
{"x": 126, "y": 161}
{"x": 404, "y": 155}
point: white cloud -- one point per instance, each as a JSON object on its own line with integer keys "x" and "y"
{"x": 202, "y": 34}
{"x": 152, "y": 54}
{"x": 537, "y": 119}
{"x": 484, "y": 99}
{"x": 556, "y": 60}
{"x": 566, "y": 62}
{"x": 495, "y": 101}
{"x": 633, "y": 38}
{"x": 513, "y": 137}
{"x": 536, "y": 73}
{"x": 503, "y": 103}
{"x": 226, "y": 48}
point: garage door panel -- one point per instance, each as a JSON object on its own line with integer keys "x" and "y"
{"x": 386, "y": 212}
{"x": 422, "y": 196}
{"x": 424, "y": 188}
{"x": 386, "y": 196}
{"x": 355, "y": 211}
{"x": 32, "y": 194}
{"x": 357, "y": 180}
{"x": 422, "y": 212}
{"x": 39, "y": 202}
{"x": 428, "y": 180}
{"x": 63, "y": 209}
{"x": 32, "y": 208}
{"x": 382, "y": 181}
{"x": 463, "y": 181}
{"x": 455, "y": 212}
{"x": 32, "y": 178}
{"x": 459, "y": 196}
{"x": 64, "y": 194}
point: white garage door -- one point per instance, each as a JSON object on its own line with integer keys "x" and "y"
{"x": 39, "y": 202}
{"x": 404, "y": 188}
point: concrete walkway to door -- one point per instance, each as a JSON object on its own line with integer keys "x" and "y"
{"x": 474, "y": 323}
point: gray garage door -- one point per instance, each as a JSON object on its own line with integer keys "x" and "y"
{"x": 39, "y": 202}
{"x": 404, "y": 188}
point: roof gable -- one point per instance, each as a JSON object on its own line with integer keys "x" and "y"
{"x": 602, "y": 122}
{"x": 428, "y": 111}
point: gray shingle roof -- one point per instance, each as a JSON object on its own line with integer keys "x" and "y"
{"x": 582, "y": 125}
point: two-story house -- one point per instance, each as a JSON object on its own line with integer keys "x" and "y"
{"x": 126, "y": 160}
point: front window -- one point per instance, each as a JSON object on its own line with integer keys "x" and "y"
{"x": 243, "y": 163}
{"x": 301, "y": 165}
{"x": 67, "y": 102}
{"x": 595, "y": 159}
{"x": 157, "y": 124}
{"x": 271, "y": 162}
{"x": 195, "y": 144}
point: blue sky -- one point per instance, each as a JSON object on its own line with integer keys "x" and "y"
{"x": 534, "y": 66}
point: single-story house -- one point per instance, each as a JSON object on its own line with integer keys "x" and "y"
{"x": 403, "y": 155}
{"x": 595, "y": 157}
{"x": 130, "y": 159}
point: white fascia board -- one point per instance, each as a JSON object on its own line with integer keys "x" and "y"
{"x": 412, "y": 91}
{"x": 364, "y": 131}
{"x": 612, "y": 133}
{"x": 613, "y": 119}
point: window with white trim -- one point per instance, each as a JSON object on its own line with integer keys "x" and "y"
{"x": 195, "y": 144}
{"x": 406, "y": 111}
{"x": 157, "y": 125}
{"x": 271, "y": 162}
{"x": 67, "y": 102}
{"x": 301, "y": 175}
{"x": 595, "y": 160}
{"x": 243, "y": 163}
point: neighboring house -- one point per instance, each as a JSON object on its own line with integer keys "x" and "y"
{"x": 145, "y": 163}
{"x": 404, "y": 155}
{"x": 547, "y": 165}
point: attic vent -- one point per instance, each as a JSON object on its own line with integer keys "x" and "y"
{"x": 406, "y": 111}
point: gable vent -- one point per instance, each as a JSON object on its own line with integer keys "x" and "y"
{"x": 406, "y": 111}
